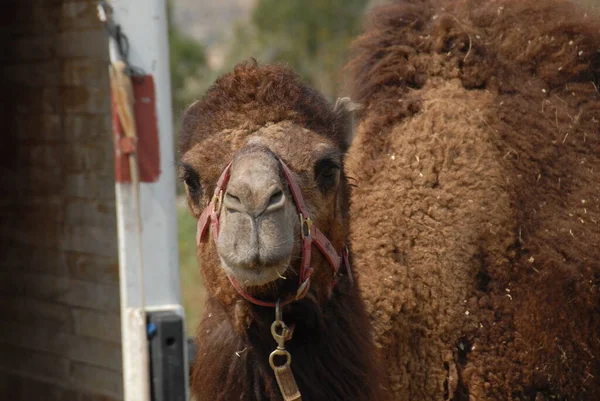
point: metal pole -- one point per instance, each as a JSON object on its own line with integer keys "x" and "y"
{"x": 144, "y": 22}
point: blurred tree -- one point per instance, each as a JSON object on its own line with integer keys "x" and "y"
{"x": 188, "y": 70}
{"x": 188, "y": 66}
{"x": 312, "y": 36}
{"x": 592, "y": 4}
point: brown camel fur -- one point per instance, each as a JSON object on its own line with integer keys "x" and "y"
{"x": 475, "y": 217}
{"x": 262, "y": 111}
{"x": 475, "y": 222}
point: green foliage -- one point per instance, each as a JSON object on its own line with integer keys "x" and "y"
{"x": 591, "y": 4}
{"x": 188, "y": 71}
{"x": 192, "y": 286}
{"x": 188, "y": 66}
{"x": 312, "y": 36}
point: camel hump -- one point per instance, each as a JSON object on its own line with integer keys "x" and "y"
{"x": 494, "y": 45}
{"x": 475, "y": 210}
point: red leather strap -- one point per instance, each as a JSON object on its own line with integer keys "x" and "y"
{"x": 295, "y": 190}
{"x": 316, "y": 236}
{"x": 203, "y": 223}
{"x": 345, "y": 262}
{"x": 327, "y": 249}
{"x": 305, "y": 268}
{"x": 302, "y": 290}
{"x": 211, "y": 213}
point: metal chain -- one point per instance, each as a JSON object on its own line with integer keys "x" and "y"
{"x": 283, "y": 373}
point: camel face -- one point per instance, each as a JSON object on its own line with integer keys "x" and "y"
{"x": 260, "y": 242}
{"x": 258, "y": 220}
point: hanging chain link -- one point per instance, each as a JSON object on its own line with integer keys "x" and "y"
{"x": 283, "y": 372}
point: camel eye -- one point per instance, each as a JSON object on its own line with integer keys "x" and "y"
{"x": 326, "y": 174}
{"x": 191, "y": 179}
{"x": 192, "y": 184}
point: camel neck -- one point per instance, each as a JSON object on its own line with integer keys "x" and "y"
{"x": 333, "y": 355}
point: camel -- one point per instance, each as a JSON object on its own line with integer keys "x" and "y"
{"x": 445, "y": 250}
{"x": 257, "y": 134}
{"x": 475, "y": 215}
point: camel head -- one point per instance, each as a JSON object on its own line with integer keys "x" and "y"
{"x": 256, "y": 134}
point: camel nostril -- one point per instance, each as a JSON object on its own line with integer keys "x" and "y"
{"x": 276, "y": 197}
{"x": 276, "y": 200}
{"x": 233, "y": 197}
{"x": 253, "y": 202}
{"x": 232, "y": 202}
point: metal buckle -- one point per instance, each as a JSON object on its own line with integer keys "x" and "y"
{"x": 305, "y": 226}
{"x": 281, "y": 333}
{"x": 283, "y": 372}
{"x": 217, "y": 202}
{"x": 302, "y": 290}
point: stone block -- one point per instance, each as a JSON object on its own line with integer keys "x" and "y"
{"x": 98, "y": 241}
{"x": 10, "y": 181}
{"x": 10, "y": 308}
{"x": 32, "y": 231}
{"x": 51, "y": 315}
{"x": 40, "y": 390}
{"x": 91, "y": 185}
{"x": 96, "y": 379}
{"x": 9, "y": 385}
{"x": 36, "y": 100}
{"x": 36, "y": 18}
{"x": 87, "y": 267}
{"x": 36, "y": 335}
{"x": 83, "y": 99}
{"x": 33, "y": 337}
{"x": 40, "y": 47}
{"x": 46, "y": 287}
{"x": 34, "y": 363}
{"x": 86, "y": 128}
{"x": 97, "y": 324}
{"x": 95, "y": 352}
{"x": 39, "y": 128}
{"x": 91, "y": 44}
{"x": 29, "y": 259}
{"x": 88, "y": 157}
{"x": 104, "y": 297}
{"x": 19, "y": 309}
{"x": 85, "y": 72}
{"x": 77, "y": 15}
{"x": 46, "y": 156}
{"x": 88, "y": 212}
{"x": 10, "y": 283}
{"x": 20, "y": 388}
{"x": 38, "y": 74}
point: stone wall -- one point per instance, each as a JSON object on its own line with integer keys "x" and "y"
{"x": 59, "y": 289}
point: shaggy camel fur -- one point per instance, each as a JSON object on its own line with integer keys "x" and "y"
{"x": 250, "y": 115}
{"x": 476, "y": 216}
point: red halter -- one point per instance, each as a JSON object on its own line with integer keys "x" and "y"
{"x": 310, "y": 235}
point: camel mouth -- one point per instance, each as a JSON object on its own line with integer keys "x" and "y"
{"x": 257, "y": 276}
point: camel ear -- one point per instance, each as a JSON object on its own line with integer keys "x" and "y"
{"x": 346, "y": 109}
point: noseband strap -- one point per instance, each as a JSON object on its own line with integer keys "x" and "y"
{"x": 310, "y": 235}
{"x": 213, "y": 210}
